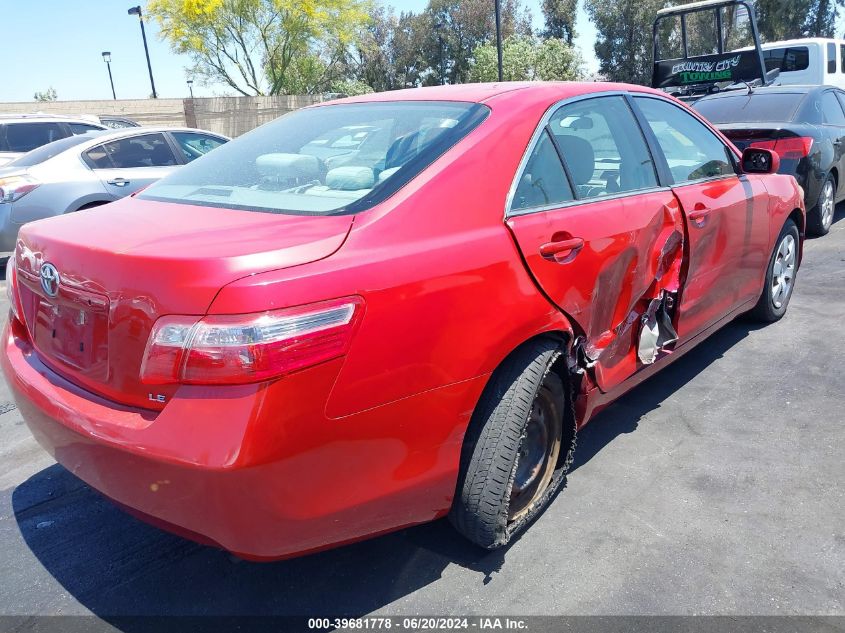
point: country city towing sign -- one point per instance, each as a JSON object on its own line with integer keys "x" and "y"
{"x": 705, "y": 72}
{"x": 707, "y": 69}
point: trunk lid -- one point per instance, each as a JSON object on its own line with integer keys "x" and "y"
{"x": 123, "y": 265}
{"x": 743, "y": 134}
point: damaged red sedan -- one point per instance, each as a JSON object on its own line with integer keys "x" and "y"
{"x": 376, "y": 312}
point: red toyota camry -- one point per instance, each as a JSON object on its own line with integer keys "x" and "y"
{"x": 376, "y": 312}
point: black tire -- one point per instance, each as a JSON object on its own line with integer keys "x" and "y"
{"x": 489, "y": 508}
{"x": 820, "y": 217}
{"x": 769, "y": 309}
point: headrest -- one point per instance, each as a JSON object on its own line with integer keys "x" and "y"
{"x": 580, "y": 158}
{"x": 350, "y": 178}
{"x": 387, "y": 173}
{"x": 281, "y": 165}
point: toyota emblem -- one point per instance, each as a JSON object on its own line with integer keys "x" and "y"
{"x": 49, "y": 279}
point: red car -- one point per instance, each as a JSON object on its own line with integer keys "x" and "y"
{"x": 372, "y": 313}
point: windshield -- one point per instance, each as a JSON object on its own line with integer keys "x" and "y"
{"x": 330, "y": 159}
{"x": 753, "y": 108}
{"x": 46, "y": 152}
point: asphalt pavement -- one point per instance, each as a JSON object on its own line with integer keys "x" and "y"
{"x": 716, "y": 487}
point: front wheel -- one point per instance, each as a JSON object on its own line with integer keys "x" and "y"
{"x": 518, "y": 447}
{"x": 780, "y": 276}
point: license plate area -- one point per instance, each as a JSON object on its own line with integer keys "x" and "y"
{"x": 72, "y": 328}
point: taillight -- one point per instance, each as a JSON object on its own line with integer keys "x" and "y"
{"x": 794, "y": 147}
{"x": 15, "y": 187}
{"x": 236, "y": 349}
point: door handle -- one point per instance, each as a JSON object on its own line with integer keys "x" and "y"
{"x": 699, "y": 216}
{"x": 562, "y": 251}
{"x": 118, "y": 182}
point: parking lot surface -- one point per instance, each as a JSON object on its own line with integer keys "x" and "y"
{"x": 717, "y": 487}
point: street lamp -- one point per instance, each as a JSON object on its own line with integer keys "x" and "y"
{"x": 137, "y": 11}
{"x": 437, "y": 27}
{"x": 107, "y": 59}
{"x": 190, "y": 83}
{"x": 499, "y": 35}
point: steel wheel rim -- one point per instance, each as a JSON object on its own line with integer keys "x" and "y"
{"x": 783, "y": 271}
{"x": 536, "y": 456}
{"x": 827, "y": 204}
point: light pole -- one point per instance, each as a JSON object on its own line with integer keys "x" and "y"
{"x": 137, "y": 11}
{"x": 107, "y": 59}
{"x": 190, "y": 83}
{"x": 499, "y": 36}
{"x": 437, "y": 27}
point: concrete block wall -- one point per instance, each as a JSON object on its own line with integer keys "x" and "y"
{"x": 231, "y": 116}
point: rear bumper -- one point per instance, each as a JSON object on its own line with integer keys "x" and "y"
{"x": 257, "y": 469}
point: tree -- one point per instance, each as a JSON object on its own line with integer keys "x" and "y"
{"x": 527, "y": 59}
{"x": 262, "y": 46}
{"x": 48, "y": 95}
{"x": 780, "y": 20}
{"x": 560, "y": 19}
{"x": 463, "y": 25}
{"x": 624, "y": 37}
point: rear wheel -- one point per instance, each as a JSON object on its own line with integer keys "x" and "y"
{"x": 780, "y": 276}
{"x": 820, "y": 218}
{"x": 517, "y": 449}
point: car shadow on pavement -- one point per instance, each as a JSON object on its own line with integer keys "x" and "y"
{"x": 117, "y": 566}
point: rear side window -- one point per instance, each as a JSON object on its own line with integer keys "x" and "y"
{"x": 788, "y": 59}
{"x": 82, "y": 128}
{"x": 831, "y": 109}
{"x": 543, "y": 181}
{"x": 691, "y": 149}
{"x": 147, "y": 150}
{"x": 603, "y": 147}
{"x": 831, "y": 57}
{"x": 754, "y": 108}
{"x": 23, "y": 137}
{"x": 842, "y": 57}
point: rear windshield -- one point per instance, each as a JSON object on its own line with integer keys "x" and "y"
{"x": 330, "y": 159}
{"x": 753, "y": 108}
{"x": 46, "y": 152}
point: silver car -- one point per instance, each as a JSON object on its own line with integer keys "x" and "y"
{"x": 21, "y": 133}
{"x": 91, "y": 169}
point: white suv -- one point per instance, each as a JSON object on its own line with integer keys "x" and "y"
{"x": 20, "y": 133}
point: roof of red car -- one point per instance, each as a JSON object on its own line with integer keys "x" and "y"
{"x": 481, "y": 92}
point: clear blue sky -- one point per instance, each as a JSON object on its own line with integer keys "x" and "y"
{"x": 58, "y": 43}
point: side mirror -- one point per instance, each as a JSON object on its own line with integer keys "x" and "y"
{"x": 756, "y": 160}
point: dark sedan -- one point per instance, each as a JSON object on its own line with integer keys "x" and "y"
{"x": 804, "y": 124}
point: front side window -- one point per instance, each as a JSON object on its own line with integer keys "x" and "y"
{"x": 194, "y": 145}
{"x": 543, "y": 181}
{"x": 375, "y": 148}
{"x": 691, "y": 149}
{"x": 147, "y": 150}
{"x": 23, "y": 137}
{"x": 603, "y": 147}
{"x": 831, "y": 57}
